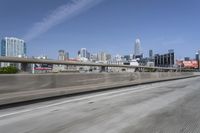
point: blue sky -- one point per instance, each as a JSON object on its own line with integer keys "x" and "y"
{"x": 103, "y": 25}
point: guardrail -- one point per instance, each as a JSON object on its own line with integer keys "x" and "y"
{"x": 21, "y": 88}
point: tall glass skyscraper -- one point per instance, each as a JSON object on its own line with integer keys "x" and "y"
{"x": 137, "y": 47}
{"x": 13, "y": 47}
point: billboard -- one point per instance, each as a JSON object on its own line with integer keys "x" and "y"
{"x": 43, "y": 67}
{"x": 190, "y": 64}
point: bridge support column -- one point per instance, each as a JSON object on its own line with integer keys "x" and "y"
{"x": 103, "y": 69}
{"x": 24, "y": 67}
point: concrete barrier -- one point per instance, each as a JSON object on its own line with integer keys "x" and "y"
{"x": 19, "y": 88}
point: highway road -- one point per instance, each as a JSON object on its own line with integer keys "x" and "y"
{"x": 165, "y": 107}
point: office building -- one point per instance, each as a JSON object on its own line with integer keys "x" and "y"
{"x": 137, "y": 47}
{"x": 13, "y": 47}
{"x": 127, "y": 57}
{"x": 101, "y": 56}
{"x": 150, "y": 54}
{"x": 94, "y": 57}
{"x": 118, "y": 59}
{"x": 88, "y": 55}
{"x": 62, "y": 55}
{"x": 187, "y": 59}
{"x": 199, "y": 54}
{"x": 165, "y": 60}
{"x": 108, "y": 57}
{"x": 198, "y": 58}
{"x": 83, "y": 53}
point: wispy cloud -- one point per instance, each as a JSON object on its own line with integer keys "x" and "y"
{"x": 59, "y": 15}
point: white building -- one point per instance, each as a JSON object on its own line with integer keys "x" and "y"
{"x": 13, "y": 47}
{"x": 137, "y": 47}
{"x": 83, "y": 52}
{"x": 62, "y": 55}
{"x": 102, "y": 57}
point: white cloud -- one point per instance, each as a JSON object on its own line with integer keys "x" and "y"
{"x": 59, "y": 15}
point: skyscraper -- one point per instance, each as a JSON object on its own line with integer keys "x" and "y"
{"x": 197, "y": 56}
{"x": 13, "y": 47}
{"x": 137, "y": 47}
{"x": 83, "y": 52}
{"x": 67, "y": 55}
{"x": 108, "y": 57}
{"x": 101, "y": 56}
{"x": 151, "y": 54}
{"x": 165, "y": 60}
{"x": 62, "y": 55}
{"x": 198, "y": 59}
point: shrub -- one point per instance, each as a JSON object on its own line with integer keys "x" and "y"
{"x": 8, "y": 70}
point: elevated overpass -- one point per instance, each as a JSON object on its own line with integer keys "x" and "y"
{"x": 26, "y": 61}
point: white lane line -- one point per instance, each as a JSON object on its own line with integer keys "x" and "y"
{"x": 113, "y": 94}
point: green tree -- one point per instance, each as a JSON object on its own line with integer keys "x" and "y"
{"x": 8, "y": 70}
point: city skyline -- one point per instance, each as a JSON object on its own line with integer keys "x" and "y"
{"x": 84, "y": 53}
{"x": 172, "y": 29}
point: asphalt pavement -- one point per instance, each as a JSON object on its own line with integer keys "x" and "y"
{"x": 165, "y": 107}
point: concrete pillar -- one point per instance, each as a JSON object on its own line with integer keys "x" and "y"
{"x": 24, "y": 67}
{"x": 103, "y": 69}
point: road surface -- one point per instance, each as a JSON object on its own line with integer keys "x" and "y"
{"x": 167, "y": 107}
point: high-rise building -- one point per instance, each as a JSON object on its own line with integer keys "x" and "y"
{"x": 108, "y": 57}
{"x": 198, "y": 59}
{"x": 13, "y": 47}
{"x": 127, "y": 57}
{"x": 88, "y": 55}
{"x": 102, "y": 56}
{"x": 83, "y": 52}
{"x": 171, "y": 57}
{"x": 197, "y": 56}
{"x": 67, "y": 55}
{"x": 62, "y": 55}
{"x": 165, "y": 60}
{"x": 94, "y": 57}
{"x": 187, "y": 59}
{"x": 151, "y": 54}
{"x": 137, "y": 47}
{"x": 171, "y": 50}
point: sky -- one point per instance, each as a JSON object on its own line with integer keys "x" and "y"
{"x": 110, "y": 26}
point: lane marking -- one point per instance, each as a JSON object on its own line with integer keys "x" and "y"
{"x": 122, "y": 92}
{"x": 111, "y": 94}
